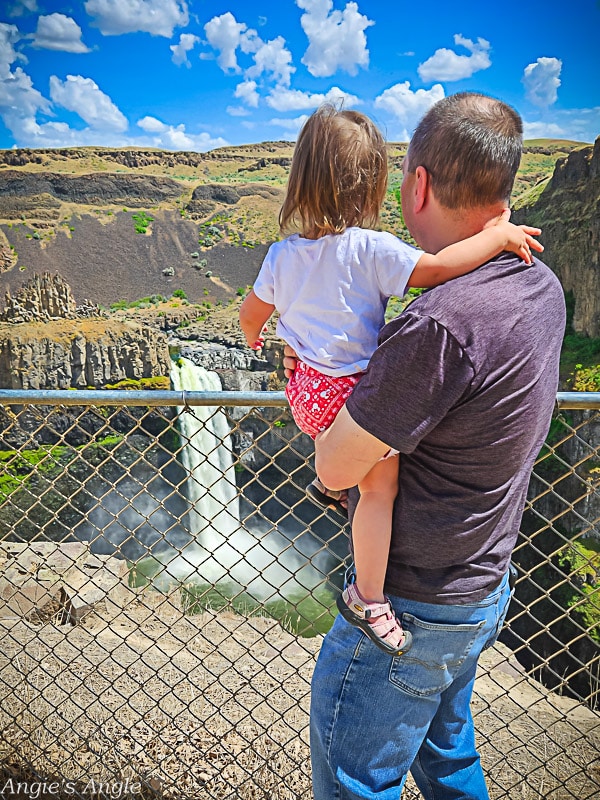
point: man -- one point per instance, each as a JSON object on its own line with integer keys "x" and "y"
{"x": 462, "y": 385}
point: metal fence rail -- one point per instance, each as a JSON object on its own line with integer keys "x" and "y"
{"x": 165, "y": 583}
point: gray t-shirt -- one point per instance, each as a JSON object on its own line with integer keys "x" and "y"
{"x": 463, "y": 384}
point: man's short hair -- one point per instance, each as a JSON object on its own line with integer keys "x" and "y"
{"x": 471, "y": 146}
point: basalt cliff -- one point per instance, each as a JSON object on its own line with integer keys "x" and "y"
{"x": 567, "y": 207}
{"x": 47, "y": 341}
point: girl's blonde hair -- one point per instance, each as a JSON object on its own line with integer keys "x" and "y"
{"x": 338, "y": 176}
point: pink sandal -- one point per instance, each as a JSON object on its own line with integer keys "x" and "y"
{"x": 385, "y": 624}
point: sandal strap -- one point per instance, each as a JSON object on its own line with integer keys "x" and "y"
{"x": 363, "y": 609}
{"x": 385, "y": 620}
{"x": 334, "y": 494}
{"x": 385, "y": 626}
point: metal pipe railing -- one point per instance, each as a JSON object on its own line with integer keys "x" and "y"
{"x": 129, "y": 397}
{"x": 134, "y": 397}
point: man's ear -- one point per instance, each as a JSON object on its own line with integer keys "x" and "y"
{"x": 421, "y": 188}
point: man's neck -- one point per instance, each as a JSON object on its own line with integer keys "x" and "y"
{"x": 447, "y": 226}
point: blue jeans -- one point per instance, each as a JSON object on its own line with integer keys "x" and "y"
{"x": 375, "y": 718}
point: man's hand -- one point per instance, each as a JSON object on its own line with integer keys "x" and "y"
{"x": 290, "y": 359}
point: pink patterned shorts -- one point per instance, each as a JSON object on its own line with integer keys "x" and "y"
{"x": 315, "y": 398}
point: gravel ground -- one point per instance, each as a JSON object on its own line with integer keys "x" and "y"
{"x": 215, "y": 705}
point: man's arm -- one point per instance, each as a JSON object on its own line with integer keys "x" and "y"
{"x": 345, "y": 452}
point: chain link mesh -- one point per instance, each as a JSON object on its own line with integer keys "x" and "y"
{"x": 165, "y": 583}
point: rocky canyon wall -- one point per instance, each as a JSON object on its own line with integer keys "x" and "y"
{"x": 568, "y": 211}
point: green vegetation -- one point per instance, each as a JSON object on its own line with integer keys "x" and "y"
{"x": 580, "y": 356}
{"x": 147, "y": 302}
{"x": 142, "y": 221}
{"x": 581, "y": 559}
{"x": 209, "y": 234}
{"x": 549, "y": 465}
{"x": 397, "y": 304}
{"x": 156, "y": 382}
{"x": 50, "y": 461}
{"x": 530, "y": 196}
{"x": 306, "y": 616}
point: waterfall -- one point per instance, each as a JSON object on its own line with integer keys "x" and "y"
{"x": 206, "y": 456}
{"x": 219, "y": 546}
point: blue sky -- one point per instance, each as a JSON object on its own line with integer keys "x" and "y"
{"x": 200, "y": 74}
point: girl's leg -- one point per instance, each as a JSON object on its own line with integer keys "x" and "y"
{"x": 372, "y": 528}
{"x": 363, "y": 602}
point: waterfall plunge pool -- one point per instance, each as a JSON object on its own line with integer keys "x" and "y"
{"x": 234, "y": 556}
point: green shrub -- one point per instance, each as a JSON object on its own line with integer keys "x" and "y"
{"x": 141, "y": 220}
{"x": 179, "y": 293}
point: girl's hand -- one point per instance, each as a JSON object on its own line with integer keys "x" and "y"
{"x": 519, "y": 238}
{"x": 258, "y": 344}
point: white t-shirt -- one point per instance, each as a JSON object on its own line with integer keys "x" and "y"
{"x": 331, "y": 293}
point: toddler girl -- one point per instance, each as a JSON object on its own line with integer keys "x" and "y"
{"x": 330, "y": 284}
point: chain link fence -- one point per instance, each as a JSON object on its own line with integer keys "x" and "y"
{"x": 165, "y": 584}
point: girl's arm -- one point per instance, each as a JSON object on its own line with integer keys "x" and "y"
{"x": 254, "y": 312}
{"x": 467, "y": 255}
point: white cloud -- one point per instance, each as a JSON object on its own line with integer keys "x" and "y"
{"x": 21, "y": 7}
{"x": 59, "y": 134}
{"x": 542, "y": 130}
{"x": 158, "y": 17}
{"x": 272, "y": 57}
{"x": 246, "y": 92}
{"x": 576, "y": 124}
{"x": 224, "y": 34}
{"x": 20, "y": 104}
{"x": 9, "y": 36}
{"x": 175, "y": 137}
{"x": 282, "y": 99}
{"x": 336, "y": 39}
{"x": 407, "y": 106}
{"x": 151, "y": 125}
{"x": 237, "y": 111}
{"x": 541, "y": 81}
{"x": 85, "y": 98}
{"x": 19, "y": 100}
{"x": 291, "y": 125}
{"x": 59, "y": 32}
{"x": 446, "y": 65}
{"x": 187, "y": 41}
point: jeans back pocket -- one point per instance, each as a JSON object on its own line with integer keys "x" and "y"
{"x": 437, "y": 653}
